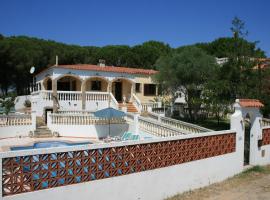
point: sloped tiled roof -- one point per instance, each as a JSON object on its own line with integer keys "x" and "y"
{"x": 250, "y": 103}
{"x": 263, "y": 63}
{"x": 89, "y": 67}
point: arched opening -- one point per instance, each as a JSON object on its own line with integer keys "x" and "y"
{"x": 47, "y": 84}
{"x": 247, "y": 121}
{"x": 69, "y": 83}
{"x": 122, "y": 89}
{"x": 96, "y": 84}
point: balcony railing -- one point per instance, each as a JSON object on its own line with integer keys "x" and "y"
{"x": 74, "y": 95}
{"x": 97, "y": 96}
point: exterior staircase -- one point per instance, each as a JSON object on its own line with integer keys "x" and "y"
{"x": 42, "y": 132}
{"x": 130, "y": 107}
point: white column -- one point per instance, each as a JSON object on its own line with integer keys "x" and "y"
{"x": 42, "y": 85}
{"x": 255, "y": 136}
{"x": 54, "y": 94}
{"x": 136, "y": 123}
{"x": 109, "y": 87}
{"x": 34, "y": 120}
{"x": 83, "y": 95}
{"x": 1, "y": 177}
{"x": 237, "y": 125}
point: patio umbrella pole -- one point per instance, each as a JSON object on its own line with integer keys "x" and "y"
{"x": 109, "y": 113}
{"x": 109, "y": 126}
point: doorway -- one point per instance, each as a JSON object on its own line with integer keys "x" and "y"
{"x": 118, "y": 91}
{"x": 247, "y": 141}
{"x": 47, "y": 110}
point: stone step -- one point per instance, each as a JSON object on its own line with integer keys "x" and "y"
{"x": 130, "y": 107}
{"x": 42, "y": 132}
{"x": 42, "y": 127}
{"x": 43, "y": 136}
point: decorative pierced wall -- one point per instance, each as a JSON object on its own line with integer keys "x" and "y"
{"x": 266, "y": 136}
{"x": 37, "y": 172}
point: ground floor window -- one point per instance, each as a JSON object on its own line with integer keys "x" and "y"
{"x": 96, "y": 85}
{"x": 149, "y": 89}
{"x": 138, "y": 87}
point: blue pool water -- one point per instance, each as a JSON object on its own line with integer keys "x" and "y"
{"x": 48, "y": 144}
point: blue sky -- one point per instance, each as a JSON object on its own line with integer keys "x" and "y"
{"x": 104, "y": 22}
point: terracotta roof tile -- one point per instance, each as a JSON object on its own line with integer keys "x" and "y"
{"x": 250, "y": 103}
{"x": 108, "y": 69}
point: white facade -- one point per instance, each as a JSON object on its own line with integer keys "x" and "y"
{"x": 80, "y": 89}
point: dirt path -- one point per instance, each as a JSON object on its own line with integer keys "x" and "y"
{"x": 253, "y": 184}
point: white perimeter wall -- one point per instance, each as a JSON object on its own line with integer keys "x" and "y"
{"x": 14, "y": 131}
{"x": 96, "y": 105}
{"x": 94, "y": 131}
{"x": 153, "y": 184}
{"x": 256, "y": 153}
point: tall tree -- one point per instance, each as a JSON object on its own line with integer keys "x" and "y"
{"x": 239, "y": 71}
{"x": 188, "y": 71}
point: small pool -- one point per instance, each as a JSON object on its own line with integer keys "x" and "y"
{"x": 48, "y": 144}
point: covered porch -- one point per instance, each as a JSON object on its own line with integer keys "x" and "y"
{"x": 70, "y": 92}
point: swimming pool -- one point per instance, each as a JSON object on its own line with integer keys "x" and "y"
{"x": 48, "y": 144}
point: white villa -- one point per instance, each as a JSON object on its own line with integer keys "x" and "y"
{"x": 78, "y": 154}
{"x": 92, "y": 87}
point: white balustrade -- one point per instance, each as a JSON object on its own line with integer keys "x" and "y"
{"x": 69, "y": 96}
{"x": 153, "y": 115}
{"x": 72, "y": 112}
{"x": 178, "y": 124}
{"x": 61, "y": 95}
{"x": 137, "y": 102}
{"x": 158, "y": 129}
{"x": 145, "y": 106}
{"x": 15, "y": 120}
{"x": 130, "y": 117}
{"x": 265, "y": 122}
{"x": 97, "y": 96}
{"x": 44, "y": 94}
{"x": 80, "y": 119}
{"x": 113, "y": 101}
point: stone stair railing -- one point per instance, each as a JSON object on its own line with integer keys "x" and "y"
{"x": 149, "y": 106}
{"x": 137, "y": 103}
{"x": 113, "y": 101}
{"x": 158, "y": 129}
{"x": 192, "y": 128}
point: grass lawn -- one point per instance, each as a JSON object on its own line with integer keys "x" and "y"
{"x": 214, "y": 125}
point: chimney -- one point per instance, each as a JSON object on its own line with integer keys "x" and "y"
{"x": 56, "y": 60}
{"x": 101, "y": 63}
